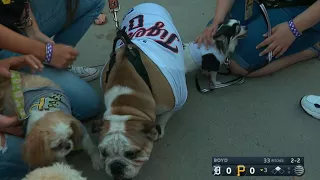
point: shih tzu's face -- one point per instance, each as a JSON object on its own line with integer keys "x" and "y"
{"x": 126, "y": 146}
{"x": 52, "y": 137}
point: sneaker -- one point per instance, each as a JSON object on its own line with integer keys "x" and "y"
{"x": 311, "y": 104}
{"x": 85, "y": 73}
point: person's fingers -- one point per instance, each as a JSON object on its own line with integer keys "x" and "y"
{"x": 265, "y": 42}
{"x": 74, "y": 52}
{"x": 282, "y": 52}
{"x": 16, "y": 131}
{"x": 200, "y": 41}
{"x": 31, "y": 62}
{"x": 276, "y": 51}
{"x": 4, "y": 72}
{"x": 270, "y": 48}
{"x": 6, "y": 121}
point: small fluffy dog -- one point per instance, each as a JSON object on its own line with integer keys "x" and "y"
{"x": 210, "y": 60}
{"x": 143, "y": 86}
{"x": 51, "y": 131}
{"x": 58, "y": 171}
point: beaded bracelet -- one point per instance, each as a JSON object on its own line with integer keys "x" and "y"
{"x": 49, "y": 49}
{"x": 293, "y": 29}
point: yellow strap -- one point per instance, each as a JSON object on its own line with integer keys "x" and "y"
{"x": 17, "y": 94}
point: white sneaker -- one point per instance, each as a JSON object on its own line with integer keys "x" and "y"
{"x": 85, "y": 73}
{"x": 311, "y": 104}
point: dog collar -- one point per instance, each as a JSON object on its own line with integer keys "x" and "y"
{"x": 17, "y": 95}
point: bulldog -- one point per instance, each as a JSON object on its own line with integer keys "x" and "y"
{"x": 143, "y": 84}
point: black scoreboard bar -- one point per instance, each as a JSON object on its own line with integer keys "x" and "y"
{"x": 258, "y": 160}
{"x": 258, "y": 166}
{"x": 258, "y": 170}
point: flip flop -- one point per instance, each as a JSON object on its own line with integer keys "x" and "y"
{"x": 101, "y": 19}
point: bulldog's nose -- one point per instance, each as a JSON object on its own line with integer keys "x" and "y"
{"x": 245, "y": 28}
{"x": 117, "y": 168}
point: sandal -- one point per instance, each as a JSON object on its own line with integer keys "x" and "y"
{"x": 101, "y": 19}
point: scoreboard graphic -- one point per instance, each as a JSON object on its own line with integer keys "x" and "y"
{"x": 258, "y": 166}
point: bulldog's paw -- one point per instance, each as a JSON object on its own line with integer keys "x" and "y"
{"x": 97, "y": 162}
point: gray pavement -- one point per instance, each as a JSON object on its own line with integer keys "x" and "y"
{"x": 261, "y": 117}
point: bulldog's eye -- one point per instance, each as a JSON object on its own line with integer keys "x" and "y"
{"x": 131, "y": 154}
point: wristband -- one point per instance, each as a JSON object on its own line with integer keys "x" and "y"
{"x": 49, "y": 49}
{"x": 293, "y": 29}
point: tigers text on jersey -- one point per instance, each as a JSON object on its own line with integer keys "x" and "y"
{"x": 151, "y": 28}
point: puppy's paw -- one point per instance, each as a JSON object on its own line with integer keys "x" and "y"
{"x": 97, "y": 162}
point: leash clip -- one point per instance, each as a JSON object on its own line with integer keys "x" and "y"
{"x": 114, "y": 7}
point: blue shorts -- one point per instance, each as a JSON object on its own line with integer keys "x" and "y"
{"x": 246, "y": 54}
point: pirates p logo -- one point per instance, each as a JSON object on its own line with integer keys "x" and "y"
{"x": 6, "y": 2}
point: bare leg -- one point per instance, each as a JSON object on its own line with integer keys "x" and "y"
{"x": 275, "y": 65}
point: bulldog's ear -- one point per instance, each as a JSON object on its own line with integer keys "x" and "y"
{"x": 152, "y": 131}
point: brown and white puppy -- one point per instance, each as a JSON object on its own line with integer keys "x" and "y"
{"x": 50, "y": 129}
{"x": 136, "y": 115}
{"x": 58, "y": 171}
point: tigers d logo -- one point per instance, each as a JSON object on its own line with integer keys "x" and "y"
{"x": 5, "y": 2}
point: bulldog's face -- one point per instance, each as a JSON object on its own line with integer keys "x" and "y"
{"x": 126, "y": 146}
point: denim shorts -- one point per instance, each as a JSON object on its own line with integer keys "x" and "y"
{"x": 246, "y": 54}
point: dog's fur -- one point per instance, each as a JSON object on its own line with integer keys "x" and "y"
{"x": 130, "y": 125}
{"x": 225, "y": 41}
{"x": 58, "y": 171}
{"x": 51, "y": 135}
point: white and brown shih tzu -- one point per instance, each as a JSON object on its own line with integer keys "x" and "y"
{"x": 58, "y": 171}
{"x": 51, "y": 132}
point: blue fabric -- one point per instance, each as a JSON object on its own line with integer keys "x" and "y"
{"x": 246, "y": 54}
{"x": 51, "y": 17}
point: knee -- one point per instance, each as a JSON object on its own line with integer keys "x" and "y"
{"x": 86, "y": 105}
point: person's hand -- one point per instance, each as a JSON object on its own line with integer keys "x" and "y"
{"x": 207, "y": 35}
{"x": 39, "y": 36}
{"x": 10, "y": 125}
{"x": 279, "y": 42}
{"x": 17, "y": 62}
{"x": 63, "y": 56}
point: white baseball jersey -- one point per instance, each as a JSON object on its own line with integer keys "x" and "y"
{"x": 151, "y": 28}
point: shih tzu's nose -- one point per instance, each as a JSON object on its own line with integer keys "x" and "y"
{"x": 117, "y": 168}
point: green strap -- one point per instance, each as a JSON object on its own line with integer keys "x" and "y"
{"x": 17, "y": 94}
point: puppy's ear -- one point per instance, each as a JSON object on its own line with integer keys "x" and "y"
{"x": 222, "y": 33}
{"x": 152, "y": 131}
{"x": 77, "y": 132}
{"x": 36, "y": 150}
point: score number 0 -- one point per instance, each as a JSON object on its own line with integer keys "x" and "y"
{"x": 240, "y": 170}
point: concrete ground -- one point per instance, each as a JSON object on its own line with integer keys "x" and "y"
{"x": 261, "y": 117}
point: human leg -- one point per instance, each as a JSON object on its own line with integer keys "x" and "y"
{"x": 85, "y": 101}
{"x": 51, "y": 17}
{"x": 12, "y": 166}
{"x": 246, "y": 57}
